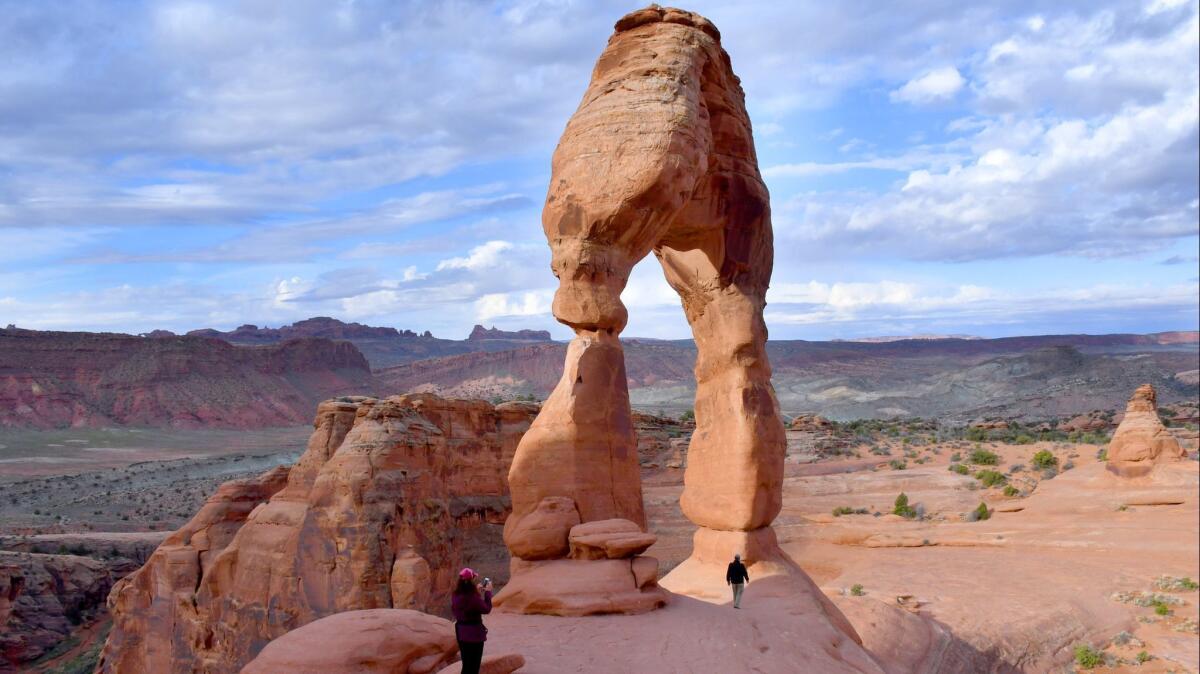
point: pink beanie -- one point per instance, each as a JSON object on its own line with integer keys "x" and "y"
{"x": 466, "y": 574}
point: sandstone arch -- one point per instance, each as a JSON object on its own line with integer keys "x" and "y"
{"x": 659, "y": 157}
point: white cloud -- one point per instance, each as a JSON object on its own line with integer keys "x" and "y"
{"x": 935, "y": 85}
{"x": 481, "y": 257}
{"x": 884, "y": 302}
{"x": 506, "y": 305}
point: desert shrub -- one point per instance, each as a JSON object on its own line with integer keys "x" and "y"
{"x": 1010, "y": 490}
{"x": 1172, "y": 584}
{"x": 898, "y": 464}
{"x": 1087, "y": 657}
{"x": 881, "y": 451}
{"x": 1068, "y": 465}
{"x": 1016, "y": 468}
{"x": 957, "y": 456}
{"x": 1049, "y": 473}
{"x": 1142, "y": 657}
{"x": 902, "y": 508}
{"x": 991, "y": 478}
{"x": 843, "y": 510}
{"x": 960, "y": 469}
{"x": 1161, "y": 608}
{"x": 1044, "y": 459}
{"x": 1022, "y": 439}
{"x": 689, "y": 415}
{"x": 976, "y": 434}
{"x": 984, "y": 457}
{"x": 981, "y": 513}
{"x": 857, "y": 590}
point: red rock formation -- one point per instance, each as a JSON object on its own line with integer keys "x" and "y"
{"x": 377, "y": 641}
{"x": 59, "y": 379}
{"x": 154, "y": 612}
{"x": 658, "y": 157}
{"x": 389, "y": 500}
{"x": 1141, "y": 441}
{"x": 42, "y": 600}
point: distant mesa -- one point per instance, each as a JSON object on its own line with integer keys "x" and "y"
{"x": 319, "y": 326}
{"x": 1141, "y": 441}
{"x": 480, "y": 333}
{"x": 901, "y": 338}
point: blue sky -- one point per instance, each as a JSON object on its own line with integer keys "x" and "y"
{"x": 997, "y": 169}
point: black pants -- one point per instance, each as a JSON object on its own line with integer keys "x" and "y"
{"x": 472, "y": 654}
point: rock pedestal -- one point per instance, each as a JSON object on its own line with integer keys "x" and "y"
{"x": 1141, "y": 441}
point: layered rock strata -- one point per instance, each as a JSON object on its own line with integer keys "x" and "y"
{"x": 389, "y": 499}
{"x": 1141, "y": 441}
{"x": 43, "y": 599}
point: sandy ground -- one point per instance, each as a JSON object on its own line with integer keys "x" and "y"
{"x": 1027, "y": 585}
{"x": 25, "y": 454}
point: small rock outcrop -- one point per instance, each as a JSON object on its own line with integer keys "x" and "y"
{"x": 376, "y": 641}
{"x": 1141, "y": 441}
{"x": 390, "y": 498}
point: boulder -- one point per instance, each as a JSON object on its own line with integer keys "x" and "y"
{"x": 542, "y": 534}
{"x": 1141, "y": 441}
{"x": 609, "y": 539}
{"x": 377, "y": 641}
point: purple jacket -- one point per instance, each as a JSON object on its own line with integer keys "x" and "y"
{"x": 468, "y": 610}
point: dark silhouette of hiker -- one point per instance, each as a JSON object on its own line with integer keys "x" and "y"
{"x": 469, "y": 603}
{"x": 736, "y": 576}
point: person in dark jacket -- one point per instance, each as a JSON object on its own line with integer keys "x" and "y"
{"x": 736, "y": 576}
{"x": 469, "y": 603}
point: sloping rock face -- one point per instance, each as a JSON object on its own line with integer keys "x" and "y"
{"x": 376, "y": 641}
{"x": 389, "y": 500}
{"x": 658, "y": 158}
{"x": 1141, "y": 441}
{"x": 79, "y": 379}
{"x": 42, "y": 600}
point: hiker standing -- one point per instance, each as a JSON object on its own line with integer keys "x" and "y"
{"x": 736, "y": 576}
{"x": 470, "y": 601}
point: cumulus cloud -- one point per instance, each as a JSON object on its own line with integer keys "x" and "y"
{"x": 1120, "y": 181}
{"x": 935, "y": 85}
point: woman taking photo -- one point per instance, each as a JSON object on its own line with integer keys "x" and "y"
{"x": 470, "y": 601}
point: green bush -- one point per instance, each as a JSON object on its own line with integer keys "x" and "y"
{"x": 902, "y": 508}
{"x": 1143, "y": 657}
{"x": 1011, "y": 490}
{"x": 897, "y": 464}
{"x": 1161, "y": 608}
{"x": 982, "y": 513}
{"x": 960, "y": 469}
{"x": 976, "y": 434}
{"x": 1087, "y": 657}
{"x": 1022, "y": 439}
{"x": 689, "y": 415}
{"x": 1044, "y": 459}
{"x": 857, "y": 590}
{"x": 991, "y": 478}
{"x": 956, "y": 457}
{"x": 843, "y": 510}
{"x": 984, "y": 457}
